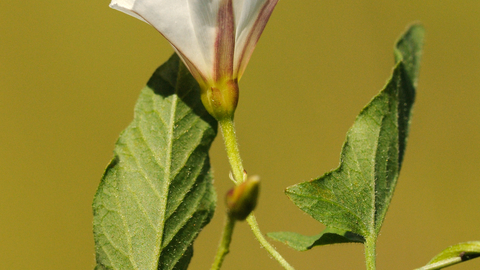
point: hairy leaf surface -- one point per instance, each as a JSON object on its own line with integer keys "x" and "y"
{"x": 156, "y": 195}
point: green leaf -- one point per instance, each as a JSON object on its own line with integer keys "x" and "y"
{"x": 327, "y": 237}
{"x": 157, "y": 195}
{"x": 355, "y": 197}
{"x": 455, "y": 254}
{"x": 409, "y": 50}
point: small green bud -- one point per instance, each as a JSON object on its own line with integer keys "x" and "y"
{"x": 242, "y": 199}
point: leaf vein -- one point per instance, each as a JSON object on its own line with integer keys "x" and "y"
{"x": 140, "y": 169}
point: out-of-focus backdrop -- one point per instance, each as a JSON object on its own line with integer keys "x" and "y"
{"x": 71, "y": 71}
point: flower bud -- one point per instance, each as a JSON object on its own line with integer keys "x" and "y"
{"x": 242, "y": 199}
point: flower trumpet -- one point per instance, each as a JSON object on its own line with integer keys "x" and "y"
{"x": 214, "y": 38}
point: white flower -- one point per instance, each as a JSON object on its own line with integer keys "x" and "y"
{"x": 214, "y": 38}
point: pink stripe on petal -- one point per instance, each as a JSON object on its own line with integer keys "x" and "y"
{"x": 254, "y": 36}
{"x": 225, "y": 42}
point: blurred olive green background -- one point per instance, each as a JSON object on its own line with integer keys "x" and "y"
{"x": 71, "y": 71}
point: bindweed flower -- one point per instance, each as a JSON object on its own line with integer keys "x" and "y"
{"x": 214, "y": 38}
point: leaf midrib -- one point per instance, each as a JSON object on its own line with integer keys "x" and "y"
{"x": 164, "y": 200}
{"x": 370, "y": 225}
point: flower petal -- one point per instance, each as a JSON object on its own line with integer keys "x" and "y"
{"x": 214, "y": 38}
{"x": 224, "y": 42}
{"x": 125, "y": 6}
{"x": 174, "y": 20}
{"x": 203, "y": 15}
{"x": 251, "y": 20}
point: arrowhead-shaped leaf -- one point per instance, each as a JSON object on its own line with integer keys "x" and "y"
{"x": 156, "y": 195}
{"x": 355, "y": 196}
{"x": 455, "y": 254}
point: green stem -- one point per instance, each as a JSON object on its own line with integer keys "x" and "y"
{"x": 230, "y": 140}
{"x": 252, "y": 221}
{"x": 441, "y": 264}
{"x": 223, "y": 248}
{"x": 231, "y": 145}
{"x": 370, "y": 252}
